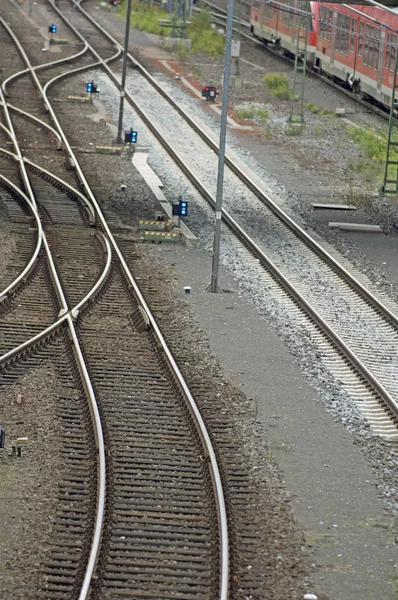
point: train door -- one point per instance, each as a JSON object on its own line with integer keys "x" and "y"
{"x": 333, "y": 41}
{"x": 381, "y": 61}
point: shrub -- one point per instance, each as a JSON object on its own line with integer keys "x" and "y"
{"x": 204, "y": 38}
{"x": 145, "y": 18}
{"x": 278, "y": 86}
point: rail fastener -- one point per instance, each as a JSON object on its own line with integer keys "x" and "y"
{"x": 155, "y": 225}
{"x": 109, "y": 150}
{"x": 158, "y": 237}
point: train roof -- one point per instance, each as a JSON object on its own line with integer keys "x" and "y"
{"x": 387, "y": 16}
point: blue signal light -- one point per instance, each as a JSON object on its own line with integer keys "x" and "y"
{"x": 52, "y": 29}
{"x": 90, "y": 87}
{"x": 183, "y": 208}
{"x": 130, "y": 137}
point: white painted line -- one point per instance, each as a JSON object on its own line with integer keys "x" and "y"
{"x": 334, "y": 206}
{"x": 356, "y": 227}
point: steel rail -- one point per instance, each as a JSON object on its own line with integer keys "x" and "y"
{"x": 356, "y": 285}
{"x": 93, "y": 407}
{"x": 73, "y": 312}
{"x": 213, "y": 465}
{"x": 83, "y": 199}
{"x": 4, "y": 128}
{"x": 36, "y": 120}
{"x": 29, "y": 266}
{"x": 39, "y": 67}
{"x": 34, "y": 166}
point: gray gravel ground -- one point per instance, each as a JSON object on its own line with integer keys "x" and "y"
{"x": 28, "y": 489}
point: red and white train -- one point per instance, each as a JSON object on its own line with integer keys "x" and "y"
{"x": 355, "y": 44}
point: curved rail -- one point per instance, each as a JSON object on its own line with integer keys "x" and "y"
{"x": 93, "y": 407}
{"x": 29, "y": 266}
{"x": 36, "y": 120}
{"x": 73, "y": 312}
{"x": 38, "y": 67}
{"x": 214, "y": 470}
{"x": 41, "y": 170}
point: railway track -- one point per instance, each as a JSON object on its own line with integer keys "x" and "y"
{"x": 129, "y": 557}
{"x": 161, "y": 526}
{"x": 371, "y": 382}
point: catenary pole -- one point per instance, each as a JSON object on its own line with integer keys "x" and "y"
{"x": 126, "y": 49}
{"x": 221, "y": 151}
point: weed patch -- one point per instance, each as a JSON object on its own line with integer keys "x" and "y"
{"x": 252, "y": 111}
{"x": 278, "y": 86}
{"x": 204, "y": 38}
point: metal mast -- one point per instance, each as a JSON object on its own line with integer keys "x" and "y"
{"x": 300, "y": 65}
{"x": 391, "y": 168}
{"x": 179, "y": 21}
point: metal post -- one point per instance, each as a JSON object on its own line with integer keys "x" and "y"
{"x": 300, "y": 65}
{"x": 221, "y": 152}
{"x": 126, "y": 48}
{"x": 390, "y": 182}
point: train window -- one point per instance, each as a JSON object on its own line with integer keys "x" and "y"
{"x": 353, "y": 33}
{"x": 360, "y": 43}
{"x": 287, "y": 14}
{"x": 325, "y": 26}
{"x": 371, "y": 47}
{"x": 342, "y": 33}
{"x": 391, "y": 51}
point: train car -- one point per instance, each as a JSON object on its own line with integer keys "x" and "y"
{"x": 276, "y": 22}
{"x": 357, "y": 45}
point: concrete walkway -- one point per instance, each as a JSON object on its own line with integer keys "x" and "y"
{"x": 332, "y": 486}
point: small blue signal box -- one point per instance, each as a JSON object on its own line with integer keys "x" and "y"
{"x": 91, "y": 87}
{"x": 180, "y": 208}
{"x": 52, "y": 28}
{"x": 130, "y": 137}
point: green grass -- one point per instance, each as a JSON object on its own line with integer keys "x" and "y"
{"x": 373, "y": 145}
{"x": 252, "y": 111}
{"x": 204, "y": 38}
{"x": 278, "y": 86}
{"x": 294, "y": 130}
{"x": 371, "y": 142}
